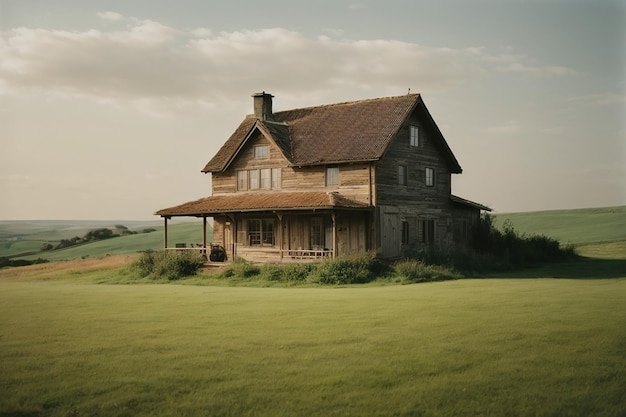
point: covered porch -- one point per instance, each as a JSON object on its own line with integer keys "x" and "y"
{"x": 278, "y": 227}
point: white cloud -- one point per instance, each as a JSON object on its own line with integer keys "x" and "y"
{"x": 601, "y": 99}
{"x": 521, "y": 64}
{"x": 510, "y": 127}
{"x": 152, "y": 64}
{"x": 112, "y": 16}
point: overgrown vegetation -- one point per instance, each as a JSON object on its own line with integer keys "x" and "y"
{"x": 358, "y": 269}
{"x": 171, "y": 265}
{"x": 511, "y": 249}
{"x": 494, "y": 249}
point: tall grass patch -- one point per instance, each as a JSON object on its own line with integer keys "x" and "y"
{"x": 419, "y": 271}
{"x": 170, "y": 265}
{"x": 359, "y": 269}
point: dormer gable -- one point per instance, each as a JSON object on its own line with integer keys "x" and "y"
{"x": 276, "y": 133}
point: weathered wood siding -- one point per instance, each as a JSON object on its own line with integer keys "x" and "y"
{"x": 414, "y": 201}
{"x": 353, "y": 178}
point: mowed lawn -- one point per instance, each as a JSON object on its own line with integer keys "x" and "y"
{"x": 488, "y": 347}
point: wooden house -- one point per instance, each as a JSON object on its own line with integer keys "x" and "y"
{"x": 363, "y": 176}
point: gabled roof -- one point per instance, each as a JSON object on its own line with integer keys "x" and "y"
{"x": 337, "y": 133}
{"x": 261, "y": 202}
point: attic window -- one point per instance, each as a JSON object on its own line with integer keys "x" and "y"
{"x": 415, "y": 136}
{"x": 332, "y": 175}
{"x": 261, "y": 151}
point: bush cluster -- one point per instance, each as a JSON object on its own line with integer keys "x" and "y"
{"x": 510, "y": 249}
{"x": 345, "y": 270}
{"x": 359, "y": 269}
{"x": 493, "y": 250}
{"x": 172, "y": 265}
{"x": 5, "y": 262}
{"x": 418, "y": 271}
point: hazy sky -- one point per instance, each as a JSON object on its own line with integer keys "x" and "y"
{"x": 110, "y": 109}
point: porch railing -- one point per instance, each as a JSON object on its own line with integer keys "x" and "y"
{"x": 294, "y": 254}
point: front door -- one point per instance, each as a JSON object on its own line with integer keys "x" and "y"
{"x": 390, "y": 240}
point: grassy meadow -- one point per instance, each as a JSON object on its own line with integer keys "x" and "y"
{"x": 575, "y": 227}
{"x": 87, "y": 338}
{"x": 491, "y": 347}
{"x": 23, "y": 239}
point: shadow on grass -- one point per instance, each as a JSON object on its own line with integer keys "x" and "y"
{"x": 582, "y": 268}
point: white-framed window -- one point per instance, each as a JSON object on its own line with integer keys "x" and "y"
{"x": 254, "y": 179}
{"x": 242, "y": 180}
{"x": 261, "y": 232}
{"x": 332, "y": 175}
{"x": 266, "y": 178}
{"x": 261, "y": 151}
{"x": 402, "y": 174}
{"x": 259, "y": 179}
{"x": 415, "y": 136}
{"x": 276, "y": 178}
{"x": 430, "y": 177}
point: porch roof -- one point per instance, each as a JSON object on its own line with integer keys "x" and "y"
{"x": 468, "y": 203}
{"x": 312, "y": 200}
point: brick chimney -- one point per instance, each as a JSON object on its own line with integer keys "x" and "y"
{"x": 263, "y": 105}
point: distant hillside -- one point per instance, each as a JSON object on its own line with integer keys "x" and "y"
{"x": 23, "y": 239}
{"x": 575, "y": 227}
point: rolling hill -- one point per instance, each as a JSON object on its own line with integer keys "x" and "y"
{"x": 574, "y": 227}
{"x": 23, "y": 239}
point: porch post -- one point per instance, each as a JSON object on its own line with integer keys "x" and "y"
{"x": 279, "y": 234}
{"x": 204, "y": 234}
{"x": 335, "y": 245}
{"x": 165, "y": 233}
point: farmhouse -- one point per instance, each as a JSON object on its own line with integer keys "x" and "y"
{"x": 363, "y": 176}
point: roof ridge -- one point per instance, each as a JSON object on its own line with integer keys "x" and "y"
{"x": 343, "y": 103}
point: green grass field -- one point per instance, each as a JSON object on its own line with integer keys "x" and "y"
{"x": 491, "y": 347}
{"x": 77, "y": 340}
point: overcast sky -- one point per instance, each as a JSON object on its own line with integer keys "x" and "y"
{"x": 110, "y": 109}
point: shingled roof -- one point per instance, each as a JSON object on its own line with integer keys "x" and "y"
{"x": 262, "y": 201}
{"x": 336, "y": 133}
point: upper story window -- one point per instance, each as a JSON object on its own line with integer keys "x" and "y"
{"x": 430, "y": 177}
{"x": 415, "y": 136}
{"x": 254, "y": 182}
{"x": 261, "y": 151}
{"x": 402, "y": 174}
{"x": 242, "y": 180}
{"x": 259, "y": 179}
{"x": 332, "y": 175}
